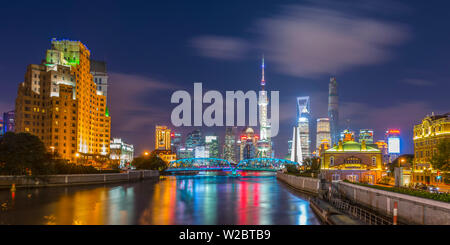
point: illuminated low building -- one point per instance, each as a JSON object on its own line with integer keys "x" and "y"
{"x": 427, "y": 135}
{"x": 121, "y": 152}
{"x": 166, "y": 155}
{"x": 352, "y": 161}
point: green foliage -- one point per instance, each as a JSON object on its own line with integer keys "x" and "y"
{"x": 441, "y": 160}
{"x": 405, "y": 160}
{"x": 385, "y": 180}
{"x": 152, "y": 162}
{"x": 312, "y": 164}
{"x": 64, "y": 167}
{"x": 21, "y": 152}
{"x": 291, "y": 168}
{"x": 443, "y": 197}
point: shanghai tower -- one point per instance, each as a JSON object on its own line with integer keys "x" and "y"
{"x": 333, "y": 112}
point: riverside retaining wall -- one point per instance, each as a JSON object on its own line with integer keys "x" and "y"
{"x": 411, "y": 209}
{"x": 75, "y": 179}
{"x": 311, "y": 185}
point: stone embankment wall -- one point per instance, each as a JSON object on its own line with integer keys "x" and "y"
{"x": 307, "y": 184}
{"x": 411, "y": 209}
{"x": 75, "y": 179}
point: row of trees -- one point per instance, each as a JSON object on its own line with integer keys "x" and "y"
{"x": 152, "y": 162}
{"x": 25, "y": 154}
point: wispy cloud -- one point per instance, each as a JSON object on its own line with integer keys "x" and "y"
{"x": 313, "y": 39}
{"x": 225, "y": 48}
{"x": 418, "y": 82}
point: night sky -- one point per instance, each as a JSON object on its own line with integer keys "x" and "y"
{"x": 390, "y": 58}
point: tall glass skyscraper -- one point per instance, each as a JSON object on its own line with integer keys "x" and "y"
{"x": 323, "y": 132}
{"x": 333, "y": 112}
{"x": 304, "y": 123}
{"x": 194, "y": 139}
{"x": 212, "y": 145}
{"x": 229, "y": 146}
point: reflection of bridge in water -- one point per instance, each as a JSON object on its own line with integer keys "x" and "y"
{"x": 217, "y": 164}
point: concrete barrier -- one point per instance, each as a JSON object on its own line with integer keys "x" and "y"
{"x": 411, "y": 209}
{"x": 74, "y": 179}
{"x": 307, "y": 184}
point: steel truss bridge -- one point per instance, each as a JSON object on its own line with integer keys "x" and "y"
{"x": 217, "y": 164}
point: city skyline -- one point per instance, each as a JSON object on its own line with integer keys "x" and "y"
{"x": 150, "y": 80}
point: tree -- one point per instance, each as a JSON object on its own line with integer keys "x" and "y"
{"x": 152, "y": 162}
{"x": 405, "y": 160}
{"x": 312, "y": 164}
{"x": 21, "y": 152}
{"x": 441, "y": 160}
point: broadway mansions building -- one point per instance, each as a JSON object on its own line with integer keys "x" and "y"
{"x": 59, "y": 102}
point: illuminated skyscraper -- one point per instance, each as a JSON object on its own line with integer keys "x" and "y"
{"x": 366, "y": 135}
{"x": 333, "y": 113}
{"x": 296, "y": 151}
{"x": 162, "y": 138}
{"x": 393, "y": 141}
{"x": 59, "y": 103}
{"x": 229, "y": 146}
{"x": 175, "y": 143}
{"x": 323, "y": 132}
{"x": 303, "y": 123}
{"x": 264, "y": 145}
{"x": 247, "y": 144}
{"x": 194, "y": 139}
{"x": 98, "y": 71}
{"x": 8, "y": 122}
{"x": 212, "y": 145}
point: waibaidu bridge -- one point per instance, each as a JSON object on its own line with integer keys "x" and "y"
{"x": 217, "y": 164}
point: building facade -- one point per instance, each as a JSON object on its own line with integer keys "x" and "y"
{"x": 229, "y": 146}
{"x": 58, "y": 102}
{"x": 393, "y": 141}
{"x": 121, "y": 152}
{"x": 162, "y": 138}
{"x": 353, "y": 161}
{"x": 194, "y": 139}
{"x": 427, "y": 135}
{"x": 366, "y": 135}
{"x": 323, "y": 132}
{"x": 100, "y": 76}
{"x": 212, "y": 145}
{"x": 247, "y": 144}
{"x": 9, "y": 122}
{"x": 303, "y": 127}
{"x": 333, "y": 110}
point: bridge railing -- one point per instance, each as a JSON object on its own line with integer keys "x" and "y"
{"x": 214, "y": 163}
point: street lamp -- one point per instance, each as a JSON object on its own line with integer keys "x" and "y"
{"x": 53, "y": 151}
{"x": 146, "y": 153}
{"x": 77, "y": 155}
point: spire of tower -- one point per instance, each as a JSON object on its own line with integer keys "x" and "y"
{"x": 263, "y": 82}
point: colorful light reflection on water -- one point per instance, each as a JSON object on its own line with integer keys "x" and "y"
{"x": 208, "y": 198}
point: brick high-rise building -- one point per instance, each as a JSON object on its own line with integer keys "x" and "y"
{"x": 59, "y": 103}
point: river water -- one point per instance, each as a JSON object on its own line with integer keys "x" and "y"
{"x": 204, "y": 199}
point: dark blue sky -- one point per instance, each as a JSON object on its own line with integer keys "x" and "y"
{"x": 390, "y": 58}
